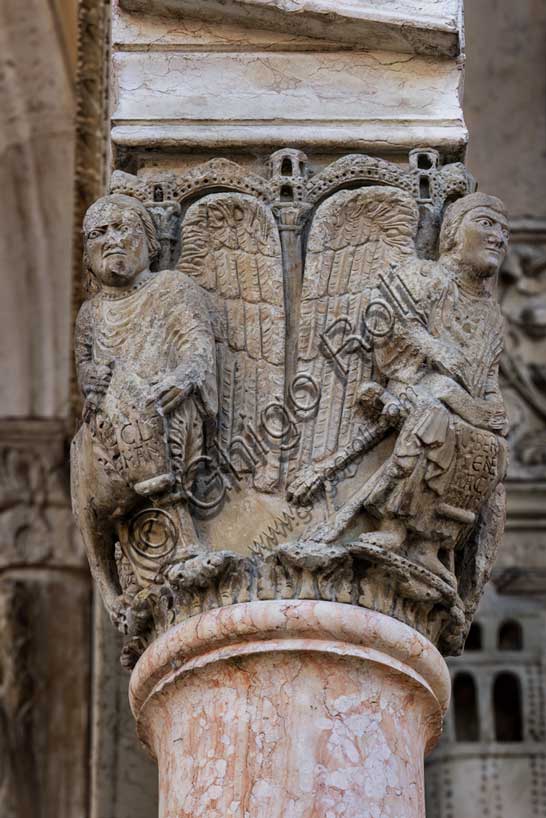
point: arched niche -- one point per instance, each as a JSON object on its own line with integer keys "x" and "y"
{"x": 510, "y": 636}
{"x": 507, "y": 708}
{"x": 465, "y": 708}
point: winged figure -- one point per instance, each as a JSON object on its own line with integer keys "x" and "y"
{"x": 433, "y": 379}
{"x": 146, "y": 367}
{"x": 188, "y": 365}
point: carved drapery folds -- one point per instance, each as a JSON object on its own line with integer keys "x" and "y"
{"x": 291, "y": 391}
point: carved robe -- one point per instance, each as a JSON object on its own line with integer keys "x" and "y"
{"x": 158, "y": 331}
{"x": 444, "y": 466}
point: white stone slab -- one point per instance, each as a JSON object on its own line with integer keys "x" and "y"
{"x": 211, "y": 99}
{"x": 415, "y": 26}
{"x": 138, "y": 32}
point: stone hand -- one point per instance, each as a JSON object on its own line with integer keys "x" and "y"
{"x": 449, "y": 360}
{"x": 167, "y": 394}
{"x": 370, "y": 397}
{"x": 497, "y": 420}
{"x": 378, "y": 401}
{"x": 302, "y": 488}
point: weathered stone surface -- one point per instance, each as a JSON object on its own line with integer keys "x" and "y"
{"x": 184, "y": 84}
{"x": 372, "y": 475}
{"x": 415, "y": 26}
{"x": 44, "y": 681}
{"x": 175, "y": 98}
{"x": 36, "y": 157}
{"x": 136, "y": 32}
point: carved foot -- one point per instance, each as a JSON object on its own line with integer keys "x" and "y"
{"x": 388, "y": 540}
{"x": 426, "y": 554}
{"x": 131, "y": 616}
{"x": 131, "y": 652}
{"x": 198, "y": 570}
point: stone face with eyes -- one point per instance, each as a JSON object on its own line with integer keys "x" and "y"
{"x": 116, "y": 245}
{"x": 482, "y": 241}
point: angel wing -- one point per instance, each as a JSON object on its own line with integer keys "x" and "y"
{"x": 355, "y": 237}
{"x": 231, "y": 247}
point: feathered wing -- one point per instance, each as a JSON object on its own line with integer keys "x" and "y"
{"x": 231, "y": 247}
{"x": 356, "y": 236}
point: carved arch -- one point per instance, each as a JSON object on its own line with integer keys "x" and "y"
{"x": 359, "y": 170}
{"x": 217, "y": 175}
{"x": 221, "y": 175}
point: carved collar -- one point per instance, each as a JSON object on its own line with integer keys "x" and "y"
{"x": 119, "y": 293}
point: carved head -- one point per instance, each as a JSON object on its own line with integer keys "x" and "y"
{"x": 120, "y": 240}
{"x": 475, "y": 234}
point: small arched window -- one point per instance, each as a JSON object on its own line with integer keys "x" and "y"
{"x": 510, "y": 636}
{"x": 474, "y": 638}
{"x": 507, "y": 708}
{"x": 424, "y": 187}
{"x": 465, "y": 704}
{"x": 286, "y": 167}
{"x": 287, "y": 193}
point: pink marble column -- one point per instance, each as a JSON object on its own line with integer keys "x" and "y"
{"x": 290, "y": 709}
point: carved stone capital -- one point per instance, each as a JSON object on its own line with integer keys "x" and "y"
{"x": 304, "y": 404}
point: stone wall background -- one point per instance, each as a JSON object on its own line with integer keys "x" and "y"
{"x": 67, "y": 744}
{"x": 45, "y": 591}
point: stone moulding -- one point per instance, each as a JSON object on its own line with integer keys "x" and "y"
{"x": 422, "y": 28}
{"x": 303, "y": 619}
{"x": 389, "y": 136}
{"x": 354, "y": 574}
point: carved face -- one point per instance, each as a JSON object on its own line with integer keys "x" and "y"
{"x": 116, "y": 244}
{"x": 482, "y": 241}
